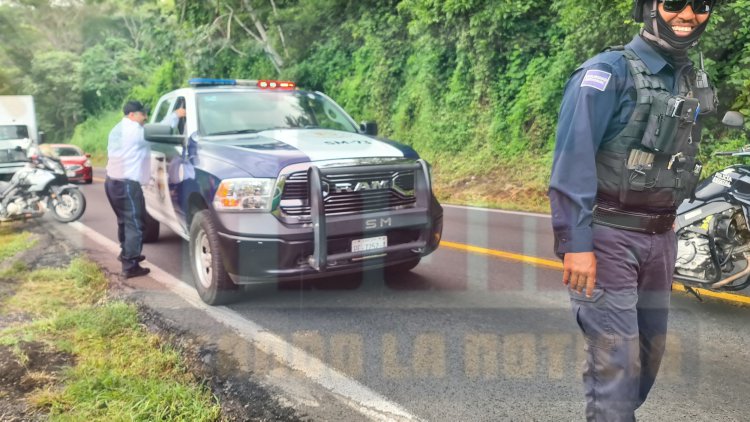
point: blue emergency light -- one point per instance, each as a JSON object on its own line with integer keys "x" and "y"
{"x": 211, "y": 81}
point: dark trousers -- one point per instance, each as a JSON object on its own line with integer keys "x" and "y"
{"x": 126, "y": 198}
{"x": 625, "y": 321}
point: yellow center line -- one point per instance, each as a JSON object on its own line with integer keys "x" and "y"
{"x": 557, "y": 265}
{"x": 541, "y": 262}
{"x": 729, "y": 297}
{"x": 99, "y": 179}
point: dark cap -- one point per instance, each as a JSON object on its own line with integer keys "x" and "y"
{"x": 133, "y": 107}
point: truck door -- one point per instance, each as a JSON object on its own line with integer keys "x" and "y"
{"x": 161, "y": 196}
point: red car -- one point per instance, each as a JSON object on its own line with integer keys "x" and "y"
{"x": 77, "y": 164}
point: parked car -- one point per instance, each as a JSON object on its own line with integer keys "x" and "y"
{"x": 273, "y": 183}
{"x": 77, "y": 163}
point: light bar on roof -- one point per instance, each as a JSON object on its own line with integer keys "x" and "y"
{"x": 263, "y": 84}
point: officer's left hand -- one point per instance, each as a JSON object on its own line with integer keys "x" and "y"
{"x": 579, "y": 271}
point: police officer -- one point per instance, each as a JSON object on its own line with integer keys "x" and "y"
{"x": 625, "y": 157}
{"x": 128, "y": 167}
{"x": 176, "y": 119}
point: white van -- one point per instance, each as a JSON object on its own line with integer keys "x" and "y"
{"x": 18, "y": 132}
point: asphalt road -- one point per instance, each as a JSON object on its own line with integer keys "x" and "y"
{"x": 470, "y": 337}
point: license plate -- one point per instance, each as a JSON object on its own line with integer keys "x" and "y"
{"x": 70, "y": 173}
{"x": 372, "y": 243}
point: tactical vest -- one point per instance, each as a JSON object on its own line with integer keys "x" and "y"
{"x": 651, "y": 163}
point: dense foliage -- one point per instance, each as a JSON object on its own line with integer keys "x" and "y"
{"x": 474, "y": 85}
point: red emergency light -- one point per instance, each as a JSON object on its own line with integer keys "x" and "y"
{"x": 270, "y": 84}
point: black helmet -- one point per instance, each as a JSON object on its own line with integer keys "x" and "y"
{"x": 638, "y": 10}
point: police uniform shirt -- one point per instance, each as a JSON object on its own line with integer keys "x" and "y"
{"x": 128, "y": 153}
{"x": 172, "y": 119}
{"x": 598, "y": 101}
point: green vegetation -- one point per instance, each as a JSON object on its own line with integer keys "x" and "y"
{"x": 120, "y": 372}
{"x": 12, "y": 242}
{"x": 92, "y": 134}
{"x": 473, "y": 85}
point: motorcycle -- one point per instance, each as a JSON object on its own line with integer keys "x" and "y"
{"x": 40, "y": 186}
{"x": 713, "y": 238}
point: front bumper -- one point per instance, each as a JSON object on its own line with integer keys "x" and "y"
{"x": 280, "y": 252}
{"x": 283, "y": 253}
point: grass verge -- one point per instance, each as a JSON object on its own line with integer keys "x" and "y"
{"x": 483, "y": 179}
{"x": 12, "y": 242}
{"x": 121, "y": 372}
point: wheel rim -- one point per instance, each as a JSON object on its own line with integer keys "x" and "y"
{"x": 66, "y": 205}
{"x": 203, "y": 259}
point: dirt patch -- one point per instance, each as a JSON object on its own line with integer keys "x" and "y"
{"x": 13, "y": 319}
{"x": 241, "y": 398}
{"x": 7, "y": 289}
{"x": 30, "y": 366}
{"x": 55, "y": 253}
{"x": 50, "y": 251}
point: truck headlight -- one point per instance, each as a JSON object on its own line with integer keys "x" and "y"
{"x": 244, "y": 195}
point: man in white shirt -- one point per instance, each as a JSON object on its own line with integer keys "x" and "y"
{"x": 129, "y": 167}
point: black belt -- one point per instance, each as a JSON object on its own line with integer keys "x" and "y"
{"x": 633, "y": 220}
{"x": 114, "y": 179}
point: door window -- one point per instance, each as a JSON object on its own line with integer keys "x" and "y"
{"x": 162, "y": 110}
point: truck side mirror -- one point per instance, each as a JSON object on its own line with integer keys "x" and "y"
{"x": 41, "y": 137}
{"x": 734, "y": 120}
{"x": 369, "y": 128}
{"x": 162, "y": 134}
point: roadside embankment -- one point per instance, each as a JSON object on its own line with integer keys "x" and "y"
{"x": 77, "y": 342}
{"x": 70, "y": 351}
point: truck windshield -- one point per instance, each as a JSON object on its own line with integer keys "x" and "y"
{"x": 223, "y": 113}
{"x": 10, "y": 132}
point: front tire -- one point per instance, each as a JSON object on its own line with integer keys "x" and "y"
{"x": 212, "y": 281}
{"x": 68, "y": 206}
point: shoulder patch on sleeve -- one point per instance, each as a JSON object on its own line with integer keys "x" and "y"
{"x": 597, "y": 79}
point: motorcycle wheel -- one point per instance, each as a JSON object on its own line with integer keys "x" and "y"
{"x": 68, "y": 206}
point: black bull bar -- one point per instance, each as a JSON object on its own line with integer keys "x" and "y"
{"x": 422, "y": 189}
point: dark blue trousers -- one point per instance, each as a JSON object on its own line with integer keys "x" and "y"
{"x": 126, "y": 198}
{"x": 625, "y": 321}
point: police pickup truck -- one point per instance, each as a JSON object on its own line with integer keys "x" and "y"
{"x": 269, "y": 183}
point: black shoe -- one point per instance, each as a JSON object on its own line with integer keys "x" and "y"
{"x": 136, "y": 271}
{"x": 139, "y": 259}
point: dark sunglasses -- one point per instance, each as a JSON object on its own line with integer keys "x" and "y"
{"x": 700, "y": 7}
